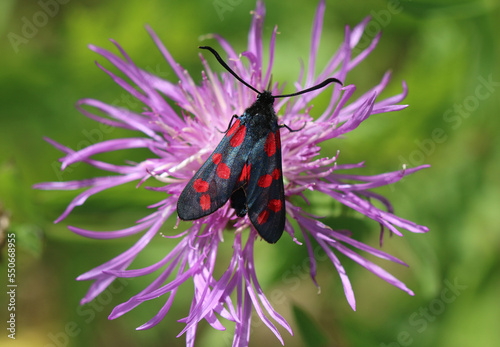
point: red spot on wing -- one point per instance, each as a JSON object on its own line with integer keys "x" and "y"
{"x": 278, "y": 139}
{"x": 238, "y": 137}
{"x": 265, "y": 181}
{"x": 223, "y": 171}
{"x": 245, "y": 173}
{"x": 233, "y": 128}
{"x": 205, "y": 202}
{"x": 276, "y": 174}
{"x": 200, "y": 185}
{"x": 262, "y": 218}
{"x": 216, "y": 158}
{"x": 270, "y": 145}
{"x": 274, "y": 205}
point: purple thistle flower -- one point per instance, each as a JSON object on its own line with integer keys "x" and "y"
{"x": 179, "y": 144}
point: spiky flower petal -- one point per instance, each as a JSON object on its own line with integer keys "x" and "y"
{"x": 179, "y": 144}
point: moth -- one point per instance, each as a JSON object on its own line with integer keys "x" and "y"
{"x": 245, "y": 167}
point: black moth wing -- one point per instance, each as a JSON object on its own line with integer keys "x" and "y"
{"x": 265, "y": 190}
{"x": 215, "y": 181}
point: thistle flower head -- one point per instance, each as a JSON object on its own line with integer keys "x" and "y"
{"x": 180, "y": 142}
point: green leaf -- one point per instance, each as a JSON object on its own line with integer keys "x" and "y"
{"x": 311, "y": 333}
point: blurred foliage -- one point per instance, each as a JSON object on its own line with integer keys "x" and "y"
{"x": 445, "y": 50}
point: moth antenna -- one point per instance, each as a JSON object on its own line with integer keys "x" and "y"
{"x": 318, "y": 86}
{"x": 223, "y": 63}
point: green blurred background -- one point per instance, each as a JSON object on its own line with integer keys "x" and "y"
{"x": 445, "y": 50}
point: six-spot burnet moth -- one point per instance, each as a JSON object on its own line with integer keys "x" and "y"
{"x": 245, "y": 167}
